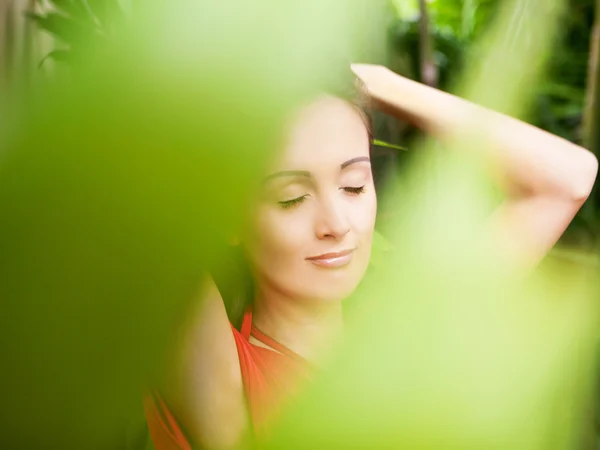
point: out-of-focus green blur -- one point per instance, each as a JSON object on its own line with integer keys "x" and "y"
{"x": 119, "y": 182}
{"x": 121, "y": 178}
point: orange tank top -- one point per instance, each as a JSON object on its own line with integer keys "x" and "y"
{"x": 268, "y": 376}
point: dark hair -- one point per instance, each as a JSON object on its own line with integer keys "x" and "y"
{"x": 235, "y": 283}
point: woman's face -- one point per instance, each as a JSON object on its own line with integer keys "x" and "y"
{"x": 310, "y": 234}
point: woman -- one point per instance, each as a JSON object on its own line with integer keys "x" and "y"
{"x": 308, "y": 243}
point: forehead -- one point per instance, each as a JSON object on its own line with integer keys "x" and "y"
{"x": 326, "y": 132}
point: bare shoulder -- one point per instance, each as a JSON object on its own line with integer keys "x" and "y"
{"x": 203, "y": 387}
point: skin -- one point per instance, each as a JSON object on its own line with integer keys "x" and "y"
{"x": 546, "y": 180}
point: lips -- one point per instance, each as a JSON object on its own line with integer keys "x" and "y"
{"x": 332, "y": 260}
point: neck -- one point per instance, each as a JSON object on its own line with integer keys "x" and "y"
{"x": 307, "y": 327}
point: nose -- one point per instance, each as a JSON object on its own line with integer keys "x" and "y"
{"x": 332, "y": 222}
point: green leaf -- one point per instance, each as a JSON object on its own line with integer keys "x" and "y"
{"x": 380, "y": 246}
{"x": 72, "y": 8}
{"x": 108, "y": 12}
{"x": 56, "y": 24}
{"x": 63, "y": 27}
{"x": 62, "y": 56}
{"x": 379, "y": 143}
{"x": 562, "y": 91}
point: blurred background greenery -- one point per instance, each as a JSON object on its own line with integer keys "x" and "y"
{"x": 430, "y": 41}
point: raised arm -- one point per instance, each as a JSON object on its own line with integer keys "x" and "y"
{"x": 203, "y": 384}
{"x": 547, "y": 179}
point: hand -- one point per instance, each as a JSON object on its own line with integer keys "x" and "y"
{"x": 389, "y": 92}
{"x": 373, "y": 79}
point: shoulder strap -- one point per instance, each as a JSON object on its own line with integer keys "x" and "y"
{"x": 247, "y": 325}
{"x": 260, "y": 336}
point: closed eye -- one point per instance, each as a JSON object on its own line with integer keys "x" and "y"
{"x": 354, "y": 190}
{"x": 293, "y": 202}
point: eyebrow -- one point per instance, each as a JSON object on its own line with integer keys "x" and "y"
{"x": 307, "y": 174}
{"x": 354, "y": 161}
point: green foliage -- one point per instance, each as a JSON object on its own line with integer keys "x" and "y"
{"x": 118, "y": 188}
{"x": 78, "y": 25}
{"x": 458, "y": 24}
{"x": 561, "y": 94}
{"x": 465, "y": 19}
{"x": 449, "y": 50}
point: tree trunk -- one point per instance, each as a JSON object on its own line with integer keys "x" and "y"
{"x": 429, "y": 71}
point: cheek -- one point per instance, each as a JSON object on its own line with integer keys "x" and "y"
{"x": 363, "y": 215}
{"x": 278, "y": 238}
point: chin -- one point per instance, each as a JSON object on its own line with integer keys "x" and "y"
{"x": 332, "y": 291}
{"x": 327, "y": 285}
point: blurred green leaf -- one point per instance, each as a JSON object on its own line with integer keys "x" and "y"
{"x": 380, "y": 247}
{"x": 62, "y": 56}
{"x": 108, "y": 12}
{"x": 62, "y": 27}
{"x": 73, "y": 8}
{"x": 562, "y": 90}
